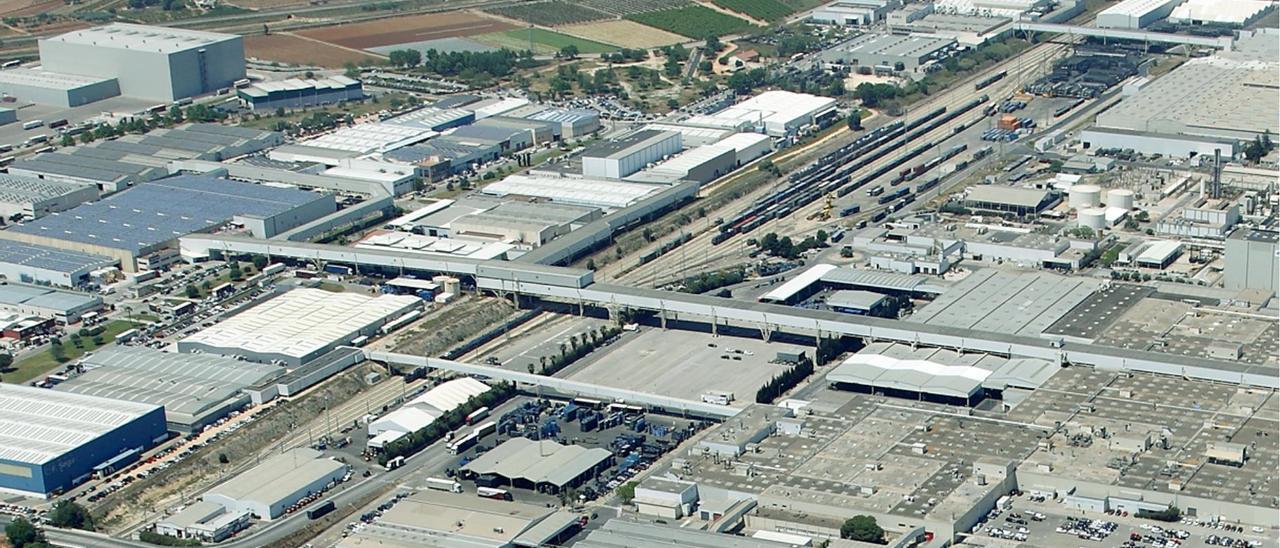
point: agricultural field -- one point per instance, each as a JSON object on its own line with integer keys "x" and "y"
{"x": 23, "y": 8}
{"x": 628, "y": 7}
{"x": 404, "y": 30}
{"x": 544, "y": 41}
{"x": 764, "y": 10}
{"x": 550, "y": 14}
{"x": 696, "y": 22}
{"x": 802, "y": 5}
{"x": 627, "y": 34}
{"x": 294, "y": 50}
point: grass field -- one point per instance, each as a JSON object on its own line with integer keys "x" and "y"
{"x": 801, "y": 5}
{"x": 628, "y": 34}
{"x": 693, "y": 21}
{"x": 544, "y": 41}
{"x": 42, "y": 362}
{"x": 766, "y": 10}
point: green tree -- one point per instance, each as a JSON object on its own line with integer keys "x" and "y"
{"x": 569, "y": 52}
{"x": 627, "y": 491}
{"x": 855, "y": 120}
{"x": 67, "y": 140}
{"x": 862, "y": 529}
{"x": 405, "y": 57}
{"x": 6, "y": 361}
{"x": 713, "y": 44}
{"x": 260, "y": 262}
{"x": 192, "y": 292}
{"x": 22, "y": 534}
{"x": 69, "y": 515}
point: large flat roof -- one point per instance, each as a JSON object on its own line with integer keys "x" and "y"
{"x": 538, "y": 461}
{"x": 43, "y": 297}
{"x": 625, "y": 145}
{"x": 302, "y": 321}
{"x": 619, "y": 533}
{"x": 20, "y": 189}
{"x": 159, "y": 211}
{"x": 573, "y": 190}
{"x": 47, "y": 79}
{"x": 141, "y": 37}
{"x": 49, "y": 258}
{"x": 1025, "y": 303}
{"x": 278, "y": 476}
{"x": 38, "y": 425}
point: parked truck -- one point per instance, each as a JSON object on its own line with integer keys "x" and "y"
{"x": 441, "y": 484}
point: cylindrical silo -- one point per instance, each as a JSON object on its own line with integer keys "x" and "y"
{"x": 1084, "y": 196}
{"x": 1120, "y": 198}
{"x": 1092, "y": 217}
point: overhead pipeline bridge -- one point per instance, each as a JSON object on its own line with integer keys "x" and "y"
{"x": 1221, "y": 42}
{"x": 564, "y": 387}
{"x": 576, "y": 287}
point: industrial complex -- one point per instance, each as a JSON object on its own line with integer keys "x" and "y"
{"x": 879, "y": 272}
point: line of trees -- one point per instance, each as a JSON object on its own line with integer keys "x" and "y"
{"x": 785, "y": 381}
{"x": 578, "y": 346}
{"x": 708, "y": 281}
{"x": 416, "y": 441}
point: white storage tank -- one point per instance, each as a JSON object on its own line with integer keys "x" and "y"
{"x": 1084, "y": 196}
{"x": 1120, "y": 198}
{"x": 1093, "y": 217}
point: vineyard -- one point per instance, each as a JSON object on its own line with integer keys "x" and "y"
{"x": 764, "y": 10}
{"x": 628, "y": 7}
{"x": 544, "y": 41}
{"x": 550, "y": 14}
{"x": 693, "y": 21}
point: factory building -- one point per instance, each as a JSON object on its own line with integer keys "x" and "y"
{"x": 523, "y": 224}
{"x": 862, "y": 303}
{"x": 153, "y": 63}
{"x": 692, "y": 135}
{"x": 730, "y": 439}
{"x": 65, "y": 307}
{"x": 665, "y": 498}
{"x": 153, "y": 215}
{"x": 1158, "y": 255}
{"x": 1204, "y": 218}
{"x": 574, "y": 123}
{"x": 301, "y": 93}
{"x": 1205, "y": 104}
{"x": 1252, "y": 260}
{"x": 621, "y": 157}
{"x": 580, "y": 191}
{"x": 195, "y": 390}
{"x": 421, "y": 411}
{"x": 268, "y": 489}
{"x": 203, "y": 521}
{"x": 891, "y": 53}
{"x": 990, "y": 8}
{"x": 36, "y": 264}
{"x": 941, "y": 376}
{"x": 1232, "y": 13}
{"x": 441, "y": 519}
{"x": 50, "y": 441}
{"x": 747, "y": 146}
{"x": 544, "y": 466}
{"x": 44, "y": 87}
{"x": 23, "y": 197}
{"x": 300, "y": 325}
{"x": 776, "y": 113}
{"x": 702, "y": 165}
{"x": 854, "y": 12}
{"x": 1019, "y": 201}
{"x": 1135, "y": 14}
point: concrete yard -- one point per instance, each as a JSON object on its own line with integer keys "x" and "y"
{"x": 683, "y": 364}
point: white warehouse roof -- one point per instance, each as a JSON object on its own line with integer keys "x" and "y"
{"x": 798, "y": 283}
{"x": 772, "y": 109}
{"x": 1236, "y": 12}
{"x": 141, "y": 37}
{"x": 573, "y": 190}
{"x": 421, "y": 411}
{"x": 302, "y": 321}
{"x": 38, "y": 425}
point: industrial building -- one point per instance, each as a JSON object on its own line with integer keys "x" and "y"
{"x": 1012, "y": 9}
{"x": 1204, "y": 218}
{"x": 1018, "y": 201}
{"x": 299, "y": 325}
{"x": 421, "y": 411}
{"x": 44, "y": 87}
{"x": 204, "y": 522}
{"x": 702, "y": 165}
{"x": 544, "y": 466}
{"x": 434, "y": 518}
{"x": 1135, "y": 14}
{"x": 437, "y": 246}
{"x": 28, "y": 198}
{"x": 1232, "y": 13}
{"x": 1252, "y": 260}
{"x": 620, "y": 533}
{"x": 153, "y": 215}
{"x": 747, "y": 147}
{"x": 931, "y": 374}
{"x": 853, "y": 12}
{"x": 891, "y": 53}
{"x": 579, "y": 191}
{"x": 665, "y": 498}
{"x": 776, "y": 113}
{"x": 153, "y": 63}
{"x": 37, "y": 264}
{"x": 574, "y": 123}
{"x": 864, "y": 303}
{"x": 623, "y": 156}
{"x": 195, "y": 390}
{"x": 524, "y": 224}
{"x": 305, "y": 376}
{"x": 266, "y": 490}
{"x": 754, "y": 423}
{"x": 301, "y": 93}
{"x": 1205, "y": 104}
{"x": 1159, "y": 254}
{"x": 50, "y": 441}
{"x": 64, "y": 307}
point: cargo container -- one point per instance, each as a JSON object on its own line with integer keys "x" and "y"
{"x": 320, "y": 510}
{"x": 273, "y": 269}
{"x": 478, "y": 414}
{"x": 338, "y": 269}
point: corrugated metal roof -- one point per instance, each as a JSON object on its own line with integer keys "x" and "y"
{"x": 38, "y": 425}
